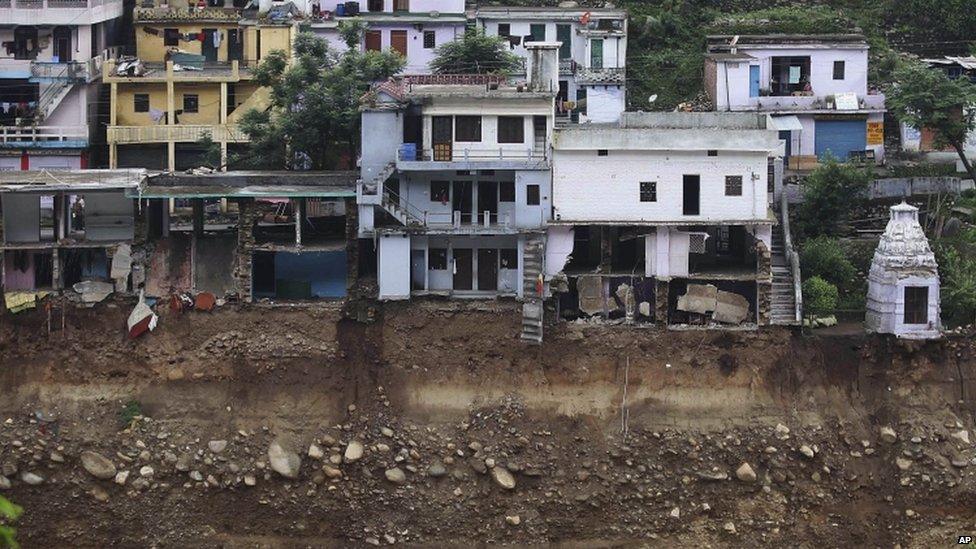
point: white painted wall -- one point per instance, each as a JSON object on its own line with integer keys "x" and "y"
{"x": 588, "y": 187}
{"x": 443, "y": 279}
{"x": 604, "y": 104}
{"x": 393, "y": 266}
{"x": 614, "y": 47}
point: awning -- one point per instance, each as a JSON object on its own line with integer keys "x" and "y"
{"x": 787, "y": 123}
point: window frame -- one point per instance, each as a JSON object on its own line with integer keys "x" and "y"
{"x": 432, "y": 43}
{"x": 909, "y": 315}
{"x": 840, "y": 64}
{"x": 437, "y": 253}
{"x": 468, "y": 135}
{"x": 195, "y": 100}
{"x": 508, "y": 258}
{"x": 508, "y": 30}
{"x": 533, "y": 195}
{"x": 137, "y": 102}
{"x": 733, "y": 185}
{"x": 535, "y": 26}
{"x": 603, "y": 152}
{"x": 171, "y": 37}
{"x": 443, "y": 188}
{"x": 518, "y": 128}
{"x": 506, "y": 191}
{"x": 647, "y": 191}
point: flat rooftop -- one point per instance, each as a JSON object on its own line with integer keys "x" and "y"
{"x": 63, "y": 180}
{"x": 693, "y": 120}
{"x": 721, "y": 42}
{"x": 243, "y": 184}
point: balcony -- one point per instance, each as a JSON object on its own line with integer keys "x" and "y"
{"x": 611, "y": 76}
{"x": 874, "y": 102}
{"x": 44, "y": 136}
{"x": 233, "y": 71}
{"x": 59, "y": 12}
{"x": 567, "y": 67}
{"x": 461, "y": 157}
{"x": 127, "y": 135}
{"x": 185, "y": 14}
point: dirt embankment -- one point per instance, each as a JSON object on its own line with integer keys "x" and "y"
{"x": 611, "y": 435}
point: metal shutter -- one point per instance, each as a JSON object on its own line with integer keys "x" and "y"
{"x": 840, "y": 137}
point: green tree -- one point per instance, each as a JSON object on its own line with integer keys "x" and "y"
{"x": 825, "y": 257}
{"x": 9, "y": 513}
{"x": 819, "y": 296}
{"x": 927, "y": 98}
{"x": 474, "y": 53}
{"x": 314, "y": 112}
{"x": 957, "y": 273}
{"x": 831, "y": 193}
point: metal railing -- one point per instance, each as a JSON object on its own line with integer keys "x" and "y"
{"x": 20, "y": 134}
{"x": 792, "y": 257}
{"x": 465, "y": 154}
{"x": 608, "y": 75}
{"x": 175, "y": 132}
{"x": 80, "y": 71}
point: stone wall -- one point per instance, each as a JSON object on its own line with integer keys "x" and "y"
{"x": 764, "y": 283}
{"x": 248, "y": 215}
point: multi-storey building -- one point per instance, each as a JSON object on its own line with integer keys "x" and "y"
{"x": 816, "y": 86}
{"x": 51, "y": 56}
{"x": 592, "y": 52}
{"x": 414, "y": 28}
{"x": 663, "y": 206}
{"x": 455, "y": 186}
{"x": 192, "y": 80}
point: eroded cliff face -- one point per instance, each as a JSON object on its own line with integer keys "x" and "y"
{"x": 603, "y": 436}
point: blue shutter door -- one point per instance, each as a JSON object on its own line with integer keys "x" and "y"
{"x": 839, "y": 137}
{"x": 753, "y": 80}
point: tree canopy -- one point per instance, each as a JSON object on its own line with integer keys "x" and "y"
{"x": 314, "y": 117}
{"x": 474, "y": 53}
{"x": 831, "y": 193}
{"x": 928, "y": 98}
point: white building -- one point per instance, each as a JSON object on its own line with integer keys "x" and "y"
{"x": 455, "y": 182}
{"x": 415, "y": 28}
{"x": 51, "y": 57}
{"x": 661, "y": 202}
{"x": 816, "y": 86}
{"x": 592, "y": 52}
{"x": 903, "y": 283}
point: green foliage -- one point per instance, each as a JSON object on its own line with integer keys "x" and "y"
{"x": 926, "y": 169}
{"x": 819, "y": 296}
{"x": 926, "y": 98}
{"x": 957, "y": 273}
{"x": 824, "y": 257}
{"x": 831, "y": 193}
{"x": 211, "y": 152}
{"x": 130, "y": 412}
{"x": 314, "y": 115}
{"x": 9, "y": 513}
{"x": 474, "y": 53}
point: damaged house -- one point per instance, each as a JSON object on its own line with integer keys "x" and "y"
{"x": 253, "y": 235}
{"x": 70, "y": 229}
{"x": 455, "y": 181}
{"x": 666, "y": 218}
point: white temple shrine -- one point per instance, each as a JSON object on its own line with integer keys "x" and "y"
{"x": 903, "y": 284}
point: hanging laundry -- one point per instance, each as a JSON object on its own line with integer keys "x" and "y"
{"x": 150, "y": 30}
{"x": 202, "y": 37}
{"x": 156, "y": 114}
{"x": 216, "y": 39}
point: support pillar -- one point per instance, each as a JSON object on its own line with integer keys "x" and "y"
{"x": 661, "y": 297}
{"x": 197, "y": 218}
{"x": 113, "y": 118}
{"x": 299, "y": 214}
{"x": 606, "y": 250}
{"x": 170, "y": 114}
{"x": 352, "y": 243}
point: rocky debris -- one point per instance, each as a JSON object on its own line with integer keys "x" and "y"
{"x": 503, "y": 478}
{"x": 513, "y": 520}
{"x": 217, "y": 446}
{"x": 4, "y": 483}
{"x": 315, "y": 451}
{"x": 807, "y": 451}
{"x": 961, "y": 435}
{"x": 354, "y": 451}
{"x": 887, "y": 435}
{"x": 283, "y": 461}
{"x": 782, "y": 431}
{"x": 396, "y": 475}
{"x": 745, "y": 473}
{"x": 98, "y": 465}
{"x": 903, "y": 464}
{"x": 33, "y": 479}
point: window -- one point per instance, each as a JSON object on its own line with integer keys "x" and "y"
{"x": 257, "y": 44}
{"x": 375, "y": 5}
{"x": 648, "y": 191}
{"x": 504, "y": 30}
{"x": 140, "y": 102}
{"x": 838, "y": 70}
{"x": 511, "y": 129}
{"x": 191, "y": 102}
{"x": 532, "y": 195}
{"x": 712, "y": 152}
{"x": 401, "y": 5}
{"x": 437, "y": 259}
{"x": 602, "y": 152}
{"x": 25, "y": 44}
{"x": 596, "y": 53}
{"x": 509, "y": 258}
{"x": 467, "y": 129}
{"x": 733, "y": 185}
{"x": 537, "y": 32}
{"x": 440, "y": 191}
{"x": 916, "y": 305}
{"x": 373, "y": 40}
{"x": 430, "y": 39}
{"x": 506, "y": 191}
{"x": 171, "y": 37}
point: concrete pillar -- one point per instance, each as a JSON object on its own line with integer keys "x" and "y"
{"x": 299, "y": 213}
{"x": 170, "y": 115}
{"x": 197, "y": 218}
{"x": 113, "y": 116}
{"x": 171, "y": 156}
{"x": 661, "y": 296}
{"x": 352, "y": 242}
{"x": 223, "y": 156}
{"x": 113, "y": 156}
{"x": 606, "y": 250}
{"x": 56, "y": 281}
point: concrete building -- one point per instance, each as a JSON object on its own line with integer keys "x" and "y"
{"x": 52, "y": 57}
{"x": 62, "y": 227}
{"x": 192, "y": 80}
{"x": 592, "y": 52}
{"x": 903, "y": 283}
{"x": 815, "y": 86}
{"x": 414, "y": 28}
{"x": 455, "y": 186}
{"x": 668, "y": 218}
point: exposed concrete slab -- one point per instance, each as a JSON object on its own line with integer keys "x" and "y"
{"x": 213, "y": 264}
{"x": 590, "y": 291}
{"x": 730, "y": 308}
{"x": 699, "y": 298}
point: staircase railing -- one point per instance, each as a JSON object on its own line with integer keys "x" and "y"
{"x": 792, "y": 258}
{"x": 412, "y": 212}
{"x": 52, "y": 93}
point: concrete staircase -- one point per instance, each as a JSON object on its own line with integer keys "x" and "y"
{"x": 51, "y": 98}
{"x": 401, "y": 210}
{"x": 532, "y": 305}
{"x": 783, "y": 302}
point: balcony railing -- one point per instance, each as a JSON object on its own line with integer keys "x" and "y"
{"x": 33, "y": 134}
{"x": 177, "y": 133}
{"x": 808, "y": 103}
{"x": 610, "y": 75}
{"x": 457, "y": 220}
{"x": 75, "y": 71}
{"x": 186, "y": 14}
{"x": 567, "y": 67}
{"x": 456, "y": 153}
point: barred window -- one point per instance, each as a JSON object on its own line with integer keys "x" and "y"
{"x": 648, "y": 191}
{"x": 733, "y": 185}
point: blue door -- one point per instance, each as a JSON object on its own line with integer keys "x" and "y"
{"x": 839, "y": 138}
{"x": 753, "y": 80}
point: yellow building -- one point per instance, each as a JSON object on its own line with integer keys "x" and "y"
{"x": 195, "y": 81}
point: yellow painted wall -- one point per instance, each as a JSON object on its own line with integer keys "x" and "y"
{"x": 272, "y": 38}
{"x": 208, "y": 94}
{"x": 152, "y": 49}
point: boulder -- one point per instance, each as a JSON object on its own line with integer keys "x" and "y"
{"x": 217, "y": 446}
{"x": 31, "y": 478}
{"x": 315, "y": 452}
{"x": 354, "y": 451}
{"x": 503, "y": 478}
{"x": 98, "y": 465}
{"x": 396, "y": 475}
{"x": 284, "y": 461}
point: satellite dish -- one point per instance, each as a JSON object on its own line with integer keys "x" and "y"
{"x": 652, "y": 98}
